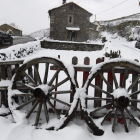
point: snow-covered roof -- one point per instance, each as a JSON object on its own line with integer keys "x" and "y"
{"x": 12, "y": 26}
{"x": 71, "y": 3}
{"x": 73, "y": 28}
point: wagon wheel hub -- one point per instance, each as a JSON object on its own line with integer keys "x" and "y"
{"x": 121, "y": 98}
{"x": 41, "y": 93}
{"x": 121, "y": 102}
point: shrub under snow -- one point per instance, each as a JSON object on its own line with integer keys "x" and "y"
{"x": 19, "y": 51}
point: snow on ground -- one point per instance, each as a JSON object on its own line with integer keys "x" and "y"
{"x": 76, "y": 129}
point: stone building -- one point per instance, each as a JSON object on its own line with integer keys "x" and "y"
{"x": 11, "y": 30}
{"x": 70, "y": 22}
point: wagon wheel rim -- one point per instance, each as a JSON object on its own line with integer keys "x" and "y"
{"x": 41, "y": 91}
{"x": 119, "y": 97}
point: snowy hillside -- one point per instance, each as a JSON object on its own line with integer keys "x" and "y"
{"x": 128, "y": 27}
{"x": 121, "y": 20}
{"x": 41, "y": 33}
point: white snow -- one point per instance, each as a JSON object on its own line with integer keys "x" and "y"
{"x": 76, "y": 129}
{"x": 120, "y": 92}
{"x": 73, "y": 28}
{"x": 45, "y": 88}
{"x": 19, "y": 51}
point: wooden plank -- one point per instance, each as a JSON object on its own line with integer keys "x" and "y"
{"x": 99, "y": 83}
{"x": 4, "y": 98}
{"x": 56, "y": 82}
{"x": 135, "y": 88}
{"x": 74, "y": 62}
{"x": 110, "y": 81}
{"x": 3, "y": 72}
{"x": 35, "y": 78}
{"x": 30, "y": 72}
{"x": 37, "y": 74}
{"x": 11, "y": 62}
{"x": 16, "y": 67}
{"x": 86, "y": 74}
{"x": 9, "y": 72}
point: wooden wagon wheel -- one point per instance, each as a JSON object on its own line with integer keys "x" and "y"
{"x": 33, "y": 92}
{"x": 120, "y": 100}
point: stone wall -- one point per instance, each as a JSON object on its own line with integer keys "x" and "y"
{"x": 71, "y": 46}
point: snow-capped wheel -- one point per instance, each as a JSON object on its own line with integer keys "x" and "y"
{"x": 119, "y": 101}
{"x": 33, "y": 93}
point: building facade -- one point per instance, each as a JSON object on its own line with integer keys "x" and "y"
{"x": 70, "y": 22}
{"x": 11, "y": 30}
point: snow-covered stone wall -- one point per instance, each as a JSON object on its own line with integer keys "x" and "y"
{"x": 19, "y": 51}
{"x": 71, "y": 46}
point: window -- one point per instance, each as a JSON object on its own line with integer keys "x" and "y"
{"x": 70, "y": 19}
{"x": 70, "y": 7}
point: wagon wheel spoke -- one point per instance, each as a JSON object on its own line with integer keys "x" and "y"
{"x": 21, "y": 95}
{"x": 61, "y": 92}
{"x": 101, "y": 75}
{"x": 21, "y": 106}
{"x": 134, "y": 93}
{"x": 98, "y": 88}
{"x": 96, "y": 98}
{"x": 124, "y": 78}
{"x": 135, "y": 108}
{"x": 100, "y": 108}
{"x": 32, "y": 109}
{"x": 114, "y": 78}
{"x": 114, "y": 121}
{"x": 46, "y": 112}
{"x": 135, "y": 81}
{"x": 29, "y": 77}
{"x": 54, "y": 76}
{"x": 106, "y": 116}
{"x": 124, "y": 121}
{"x": 59, "y": 84}
{"x": 133, "y": 118}
{"x": 46, "y": 73}
{"x": 52, "y": 107}
{"x": 64, "y": 103}
{"x": 134, "y": 100}
{"x": 38, "y": 114}
{"x": 37, "y": 75}
{"x": 25, "y": 85}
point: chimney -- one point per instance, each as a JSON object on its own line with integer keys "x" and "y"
{"x": 64, "y": 1}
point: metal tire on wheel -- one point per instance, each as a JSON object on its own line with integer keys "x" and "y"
{"x": 39, "y": 94}
{"x": 119, "y": 96}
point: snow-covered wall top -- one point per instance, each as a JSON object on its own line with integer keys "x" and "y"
{"x": 19, "y": 51}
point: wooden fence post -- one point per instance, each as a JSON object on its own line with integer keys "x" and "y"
{"x": 74, "y": 62}
{"x": 86, "y": 74}
{"x": 99, "y": 83}
{"x": 56, "y": 82}
{"x": 4, "y": 99}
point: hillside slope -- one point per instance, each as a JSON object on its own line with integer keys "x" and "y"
{"x": 41, "y": 33}
{"x": 128, "y": 27}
